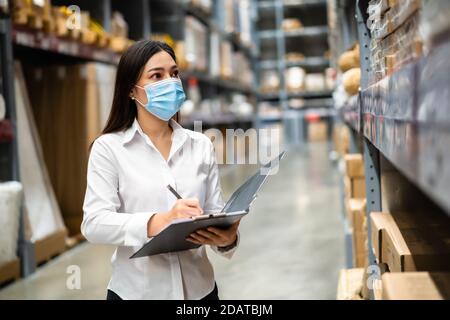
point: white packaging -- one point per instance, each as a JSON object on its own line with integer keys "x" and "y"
{"x": 11, "y": 197}
{"x": 314, "y": 82}
{"x": 295, "y": 78}
{"x": 214, "y": 65}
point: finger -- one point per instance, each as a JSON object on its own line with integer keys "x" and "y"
{"x": 208, "y": 235}
{"x": 190, "y": 211}
{"x": 190, "y": 239}
{"x": 200, "y": 238}
{"x": 192, "y": 202}
{"x": 218, "y": 232}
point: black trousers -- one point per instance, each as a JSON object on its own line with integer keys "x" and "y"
{"x": 213, "y": 295}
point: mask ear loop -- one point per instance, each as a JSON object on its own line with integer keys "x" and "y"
{"x": 136, "y": 99}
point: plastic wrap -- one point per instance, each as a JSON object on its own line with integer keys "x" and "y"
{"x": 315, "y": 82}
{"x": 11, "y": 197}
{"x": 434, "y": 19}
{"x": 396, "y": 50}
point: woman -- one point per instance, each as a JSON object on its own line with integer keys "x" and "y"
{"x": 142, "y": 150}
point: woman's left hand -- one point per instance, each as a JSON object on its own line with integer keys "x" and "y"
{"x": 214, "y": 236}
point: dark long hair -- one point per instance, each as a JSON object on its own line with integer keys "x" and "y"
{"x": 131, "y": 65}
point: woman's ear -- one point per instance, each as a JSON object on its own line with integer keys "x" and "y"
{"x": 131, "y": 95}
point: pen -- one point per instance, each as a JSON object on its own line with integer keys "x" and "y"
{"x": 174, "y": 192}
{"x": 179, "y": 197}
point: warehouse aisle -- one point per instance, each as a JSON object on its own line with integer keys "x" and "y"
{"x": 292, "y": 242}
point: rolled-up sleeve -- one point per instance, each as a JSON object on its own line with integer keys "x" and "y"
{"x": 214, "y": 200}
{"x": 102, "y": 223}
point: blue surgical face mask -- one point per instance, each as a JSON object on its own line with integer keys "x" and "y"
{"x": 164, "y": 98}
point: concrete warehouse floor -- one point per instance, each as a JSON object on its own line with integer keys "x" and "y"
{"x": 292, "y": 241}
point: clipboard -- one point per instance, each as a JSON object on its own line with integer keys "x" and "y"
{"x": 173, "y": 237}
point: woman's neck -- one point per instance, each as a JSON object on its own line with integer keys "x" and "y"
{"x": 152, "y": 126}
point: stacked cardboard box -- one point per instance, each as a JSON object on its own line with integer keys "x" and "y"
{"x": 354, "y": 180}
{"x": 318, "y": 131}
{"x": 226, "y": 60}
{"x": 411, "y": 241}
{"x": 270, "y": 81}
{"x": 43, "y": 224}
{"x": 36, "y": 14}
{"x": 341, "y": 139}
{"x": 396, "y": 38}
{"x": 416, "y": 286}
{"x": 350, "y": 284}
{"x": 357, "y": 216}
{"x": 66, "y": 102}
{"x": 196, "y": 44}
{"x": 354, "y": 184}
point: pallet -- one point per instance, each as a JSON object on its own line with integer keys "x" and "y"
{"x": 49, "y": 247}
{"x": 10, "y": 271}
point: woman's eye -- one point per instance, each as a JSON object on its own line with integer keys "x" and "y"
{"x": 156, "y": 76}
{"x": 175, "y": 74}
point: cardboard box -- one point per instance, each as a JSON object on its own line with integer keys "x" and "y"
{"x": 318, "y": 131}
{"x": 350, "y": 284}
{"x": 418, "y": 249}
{"x": 354, "y": 165}
{"x": 413, "y": 241}
{"x": 379, "y": 221}
{"x": 359, "y": 187}
{"x": 359, "y": 243}
{"x": 416, "y": 286}
{"x": 356, "y": 212}
{"x": 67, "y": 105}
{"x": 355, "y": 187}
{"x": 341, "y": 139}
{"x": 348, "y": 190}
{"x": 378, "y": 289}
{"x": 360, "y": 261}
{"x": 420, "y": 219}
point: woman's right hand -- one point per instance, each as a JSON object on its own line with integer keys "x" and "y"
{"x": 183, "y": 208}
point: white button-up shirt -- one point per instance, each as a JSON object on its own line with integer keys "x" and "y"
{"x": 127, "y": 182}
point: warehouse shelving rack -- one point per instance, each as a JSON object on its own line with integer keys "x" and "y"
{"x": 403, "y": 124}
{"x": 19, "y": 42}
{"x": 274, "y": 42}
{"x": 139, "y": 28}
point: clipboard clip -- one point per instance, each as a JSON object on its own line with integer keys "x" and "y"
{"x": 208, "y": 216}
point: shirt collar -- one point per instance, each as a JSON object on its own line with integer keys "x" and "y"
{"x": 129, "y": 133}
{"x": 179, "y": 135}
